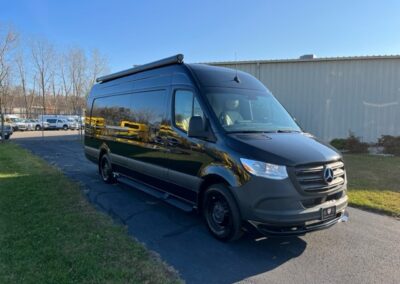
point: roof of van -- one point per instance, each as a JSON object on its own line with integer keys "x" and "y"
{"x": 215, "y": 76}
{"x": 204, "y": 75}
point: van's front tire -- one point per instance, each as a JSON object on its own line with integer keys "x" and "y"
{"x": 222, "y": 214}
{"x": 105, "y": 169}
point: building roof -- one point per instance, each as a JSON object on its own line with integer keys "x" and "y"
{"x": 315, "y": 59}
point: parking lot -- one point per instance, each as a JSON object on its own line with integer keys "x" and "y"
{"x": 46, "y": 134}
{"x": 364, "y": 250}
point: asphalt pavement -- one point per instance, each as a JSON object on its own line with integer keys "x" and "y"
{"x": 364, "y": 250}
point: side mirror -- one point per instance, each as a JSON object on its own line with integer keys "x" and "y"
{"x": 197, "y": 128}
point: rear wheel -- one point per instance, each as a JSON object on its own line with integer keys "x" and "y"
{"x": 222, "y": 213}
{"x": 37, "y": 127}
{"x": 105, "y": 168}
{"x": 6, "y": 137}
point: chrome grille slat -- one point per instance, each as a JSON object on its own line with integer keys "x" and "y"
{"x": 310, "y": 170}
{"x": 310, "y": 177}
{"x": 338, "y": 172}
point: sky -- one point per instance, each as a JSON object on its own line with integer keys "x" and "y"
{"x": 137, "y": 32}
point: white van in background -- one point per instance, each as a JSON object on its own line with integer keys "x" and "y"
{"x": 60, "y": 121}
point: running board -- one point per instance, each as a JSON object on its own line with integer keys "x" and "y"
{"x": 165, "y": 196}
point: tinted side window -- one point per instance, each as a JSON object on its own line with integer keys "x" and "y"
{"x": 147, "y": 107}
{"x": 185, "y": 106}
{"x": 110, "y": 111}
{"x": 134, "y": 116}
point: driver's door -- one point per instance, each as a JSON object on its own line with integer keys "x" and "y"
{"x": 186, "y": 156}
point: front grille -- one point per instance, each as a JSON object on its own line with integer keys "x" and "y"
{"x": 311, "y": 177}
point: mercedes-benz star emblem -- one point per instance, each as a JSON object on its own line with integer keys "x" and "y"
{"x": 328, "y": 175}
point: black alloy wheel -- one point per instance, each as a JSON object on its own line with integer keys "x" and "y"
{"x": 105, "y": 168}
{"x": 222, "y": 214}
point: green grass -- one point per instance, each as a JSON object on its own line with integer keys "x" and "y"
{"x": 50, "y": 234}
{"x": 374, "y": 182}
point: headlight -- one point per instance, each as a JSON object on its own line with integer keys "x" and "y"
{"x": 266, "y": 170}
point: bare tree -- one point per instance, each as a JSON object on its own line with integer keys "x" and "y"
{"x": 77, "y": 73}
{"x": 56, "y": 89}
{"x": 43, "y": 56}
{"x": 98, "y": 65}
{"x": 43, "y": 79}
{"x": 7, "y": 41}
{"x": 65, "y": 80}
{"x": 21, "y": 65}
{"x": 33, "y": 93}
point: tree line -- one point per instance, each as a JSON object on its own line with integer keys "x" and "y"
{"x": 36, "y": 78}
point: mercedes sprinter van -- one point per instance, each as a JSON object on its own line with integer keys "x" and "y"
{"x": 215, "y": 140}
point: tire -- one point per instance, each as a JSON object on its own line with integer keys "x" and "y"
{"x": 37, "y": 127}
{"x": 6, "y": 137}
{"x": 65, "y": 127}
{"x": 222, "y": 214}
{"x": 105, "y": 169}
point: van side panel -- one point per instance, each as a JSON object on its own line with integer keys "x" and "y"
{"x": 130, "y": 118}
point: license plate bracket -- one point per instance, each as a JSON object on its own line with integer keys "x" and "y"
{"x": 328, "y": 213}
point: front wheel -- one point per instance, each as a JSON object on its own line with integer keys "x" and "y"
{"x": 105, "y": 168}
{"x": 222, "y": 213}
{"x": 37, "y": 128}
{"x": 65, "y": 127}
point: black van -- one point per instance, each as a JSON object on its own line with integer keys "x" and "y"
{"x": 216, "y": 140}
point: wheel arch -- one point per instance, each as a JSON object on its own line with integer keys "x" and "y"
{"x": 214, "y": 175}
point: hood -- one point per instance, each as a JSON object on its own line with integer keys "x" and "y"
{"x": 288, "y": 149}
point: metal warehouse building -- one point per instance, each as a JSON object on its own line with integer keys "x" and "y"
{"x": 331, "y": 96}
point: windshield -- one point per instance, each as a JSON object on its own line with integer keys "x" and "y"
{"x": 250, "y": 111}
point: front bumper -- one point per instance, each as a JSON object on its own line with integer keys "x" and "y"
{"x": 300, "y": 229}
{"x": 276, "y": 207}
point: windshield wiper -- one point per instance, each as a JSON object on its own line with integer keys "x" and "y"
{"x": 249, "y": 131}
{"x": 265, "y": 131}
{"x": 287, "y": 131}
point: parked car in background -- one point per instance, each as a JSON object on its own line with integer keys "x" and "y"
{"x": 29, "y": 124}
{"x": 12, "y": 121}
{"x": 73, "y": 124}
{"x": 20, "y": 125}
{"x": 8, "y": 131}
{"x": 38, "y": 125}
{"x": 57, "y": 124}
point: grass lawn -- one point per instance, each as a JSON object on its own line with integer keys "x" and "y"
{"x": 50, "y": 234}
{"x": 374, "y": 182}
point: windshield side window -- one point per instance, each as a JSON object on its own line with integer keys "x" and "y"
{"x": 185, "y": 106}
